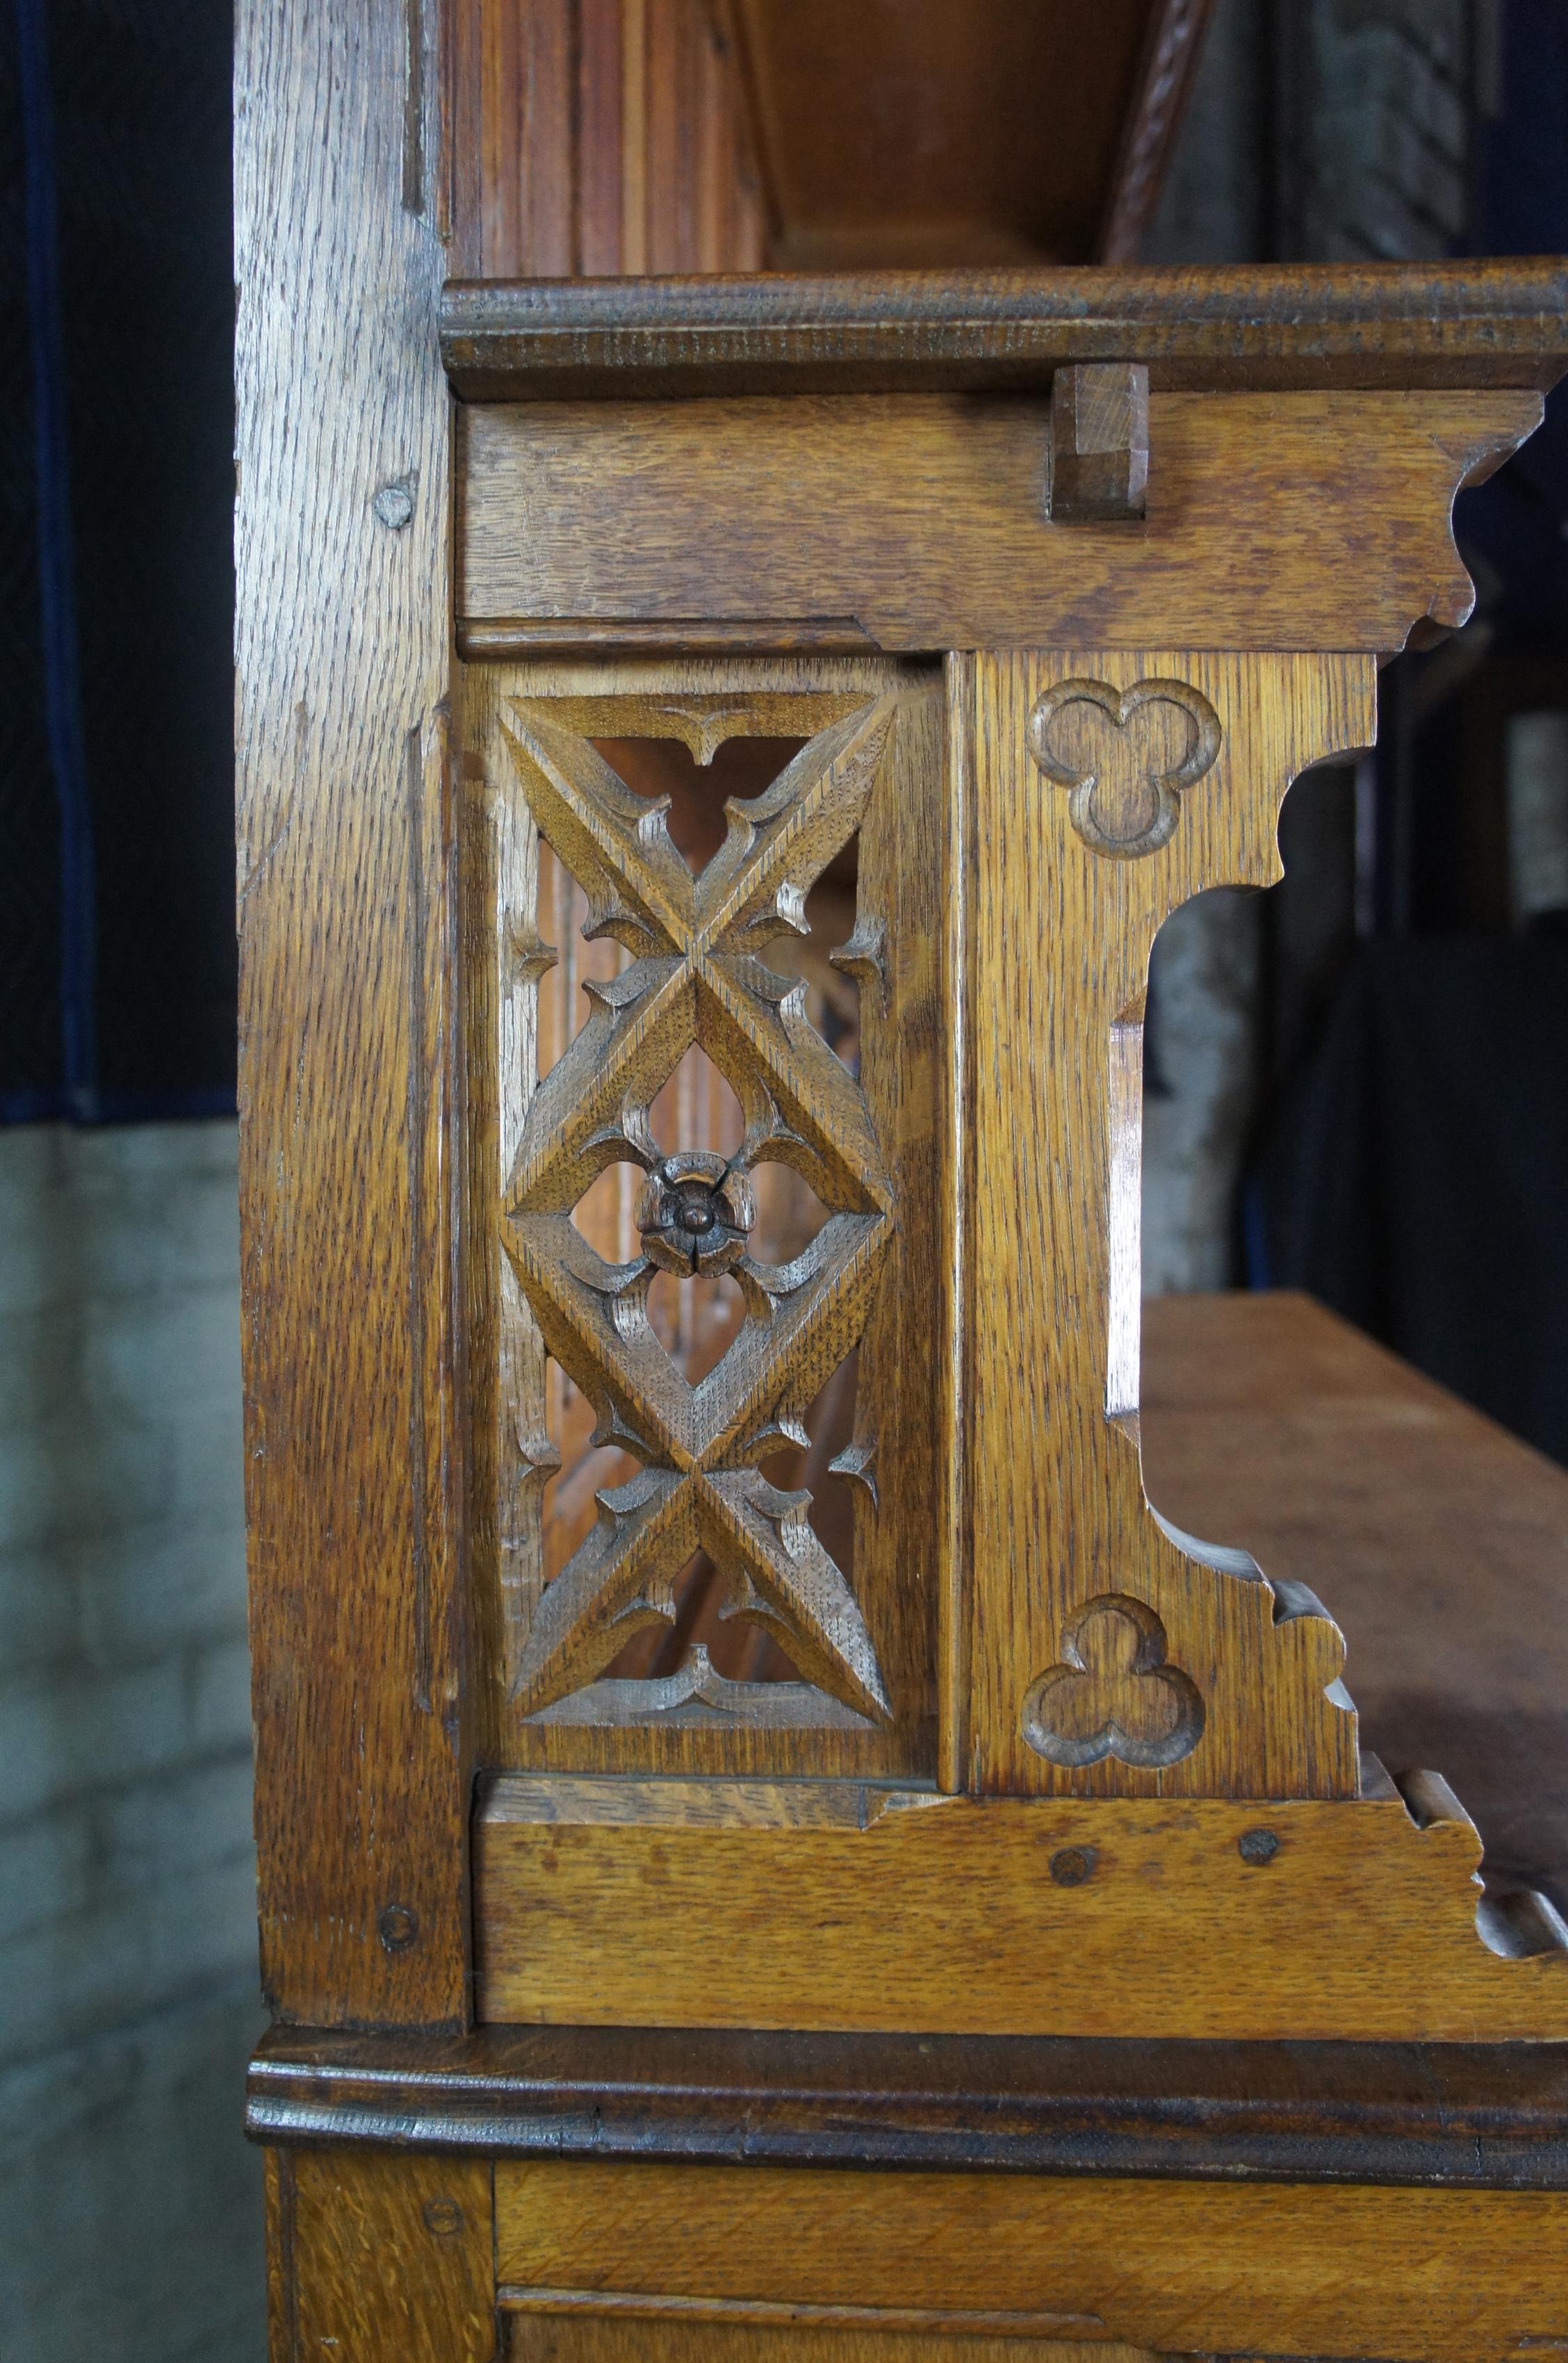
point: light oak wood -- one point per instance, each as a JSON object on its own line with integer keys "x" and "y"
{"x": 1289, "y": 521}
{"x": 373, "y": 2256}
{"x": 858, "y": 1905}
{"x": 1415, "y": 2276}
{"x": 353, "y": 1423}
{"x": 1440, "y": 1542}
{"x": 1107, "y": 1654}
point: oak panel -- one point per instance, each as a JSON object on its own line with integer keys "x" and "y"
{"x": 894, "y": 957}
{"x": 1289, "y": 521}
{"x": 1178, "y": 2267}
{"x": 371, "y": 2257}
{"x": 554, "y": 2337}
{"x": 848, "y": 1904}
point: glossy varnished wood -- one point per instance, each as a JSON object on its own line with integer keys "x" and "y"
{"x": 1417, "y": 2276}
{"x": 1489, "y": 2115}
{"x": 1305, "y": 326}
{"x": 353, "y": 1428}
{"x": 1298, "y": 520}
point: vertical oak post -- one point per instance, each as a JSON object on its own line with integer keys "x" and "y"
{"x": 353, "y": 1441}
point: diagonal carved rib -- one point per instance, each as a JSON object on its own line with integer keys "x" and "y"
{"x": 590, "y": 1110}
{"x": 795, "y": 1586}
{"x": 615, "y": 843}
{"x": 620, "y": 1578}
{"x": 779, "y": 843}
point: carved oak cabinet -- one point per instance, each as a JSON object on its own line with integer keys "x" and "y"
{"x": 770, "y": 1845}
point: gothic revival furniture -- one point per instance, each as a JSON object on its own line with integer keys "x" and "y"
{"x": 770, "y": 1845}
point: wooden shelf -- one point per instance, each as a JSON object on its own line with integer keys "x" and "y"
{"x": 1309, "y": 327}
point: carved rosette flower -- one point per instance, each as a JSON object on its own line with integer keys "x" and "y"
{"x": 695, "y": 1213}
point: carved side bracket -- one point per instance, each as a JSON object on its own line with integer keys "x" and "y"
{"x": 1107, "y": 1655}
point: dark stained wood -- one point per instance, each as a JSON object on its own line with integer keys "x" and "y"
{"x": 1438, "y": 1542}
{"x": 1497, "y": 324}
{"x": 1480, "y": 2116}
{"x": 1173, "y": 44}
{"x": 354, "y": 1450}
{"x": 964, "y": 131}
{"x": 1100, "y": 442}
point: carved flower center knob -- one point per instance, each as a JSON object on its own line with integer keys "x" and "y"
{"x": 694, "y": 1214}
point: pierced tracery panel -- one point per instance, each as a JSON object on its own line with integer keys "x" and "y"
{"x": 691, "y": 985}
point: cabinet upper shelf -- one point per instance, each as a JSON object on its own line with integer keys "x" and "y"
{"x": 1306, "y": 326}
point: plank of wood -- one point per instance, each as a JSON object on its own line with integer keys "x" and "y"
{"x": 1175, "y": 2267}
{"x": 1300, "y": 326}
{"x": 1439, "y": 1542}
{"x": 551, "y": 2335}
{"x": 853, "y": 1904}
{"x": 1289, "y": 521}
{"x": 599, "y": 137}
{"x": 1109, "y": 1655}
{"x": 371, "y": 2255}
{"x": 1486, "y": 2117}
{"x": 353, "y": 1425}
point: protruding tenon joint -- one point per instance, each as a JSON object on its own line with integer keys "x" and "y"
{"x": 1099, "y": 443}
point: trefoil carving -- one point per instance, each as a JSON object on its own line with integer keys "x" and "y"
{"x": 1122, "y": 786}
{"x": 1114, "y": 1693}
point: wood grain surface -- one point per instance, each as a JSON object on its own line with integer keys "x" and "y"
{"x": 372, "y": 2258}
{"x": 554, "y": 2336}
{"x": 1418, "y": 2276}
{"x": 840, "y": 1905}
{"x": 1294, "y": 520}
{"x": 602, "y": 136}
{"x": 1060, "y": 928}
{"x": 1300, "y": 325}
{"x": 1490, "y": 2115}
{"x": 1439, "y": 1542}
{"x": 962, "y": 131}
{"x": 353, "y": 1429}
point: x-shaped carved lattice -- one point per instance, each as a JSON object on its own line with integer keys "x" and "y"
{"x": 695, "y": 977}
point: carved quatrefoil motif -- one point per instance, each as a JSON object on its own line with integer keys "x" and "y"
{"x": 1115, "y": 1695}
{"x": 695, "y": 977}
{"x": 1122, "y": 784}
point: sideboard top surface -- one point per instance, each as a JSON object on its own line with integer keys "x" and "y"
{"x": 1501, "y": 323}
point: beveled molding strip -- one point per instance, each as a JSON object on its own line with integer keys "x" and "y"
{"x": 1447, "y": 324}
{"x": 1476, "y": 2116}
{"x": 632, "y": 2305}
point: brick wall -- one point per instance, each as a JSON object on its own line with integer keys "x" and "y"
{"x": 129, "y": 2205}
